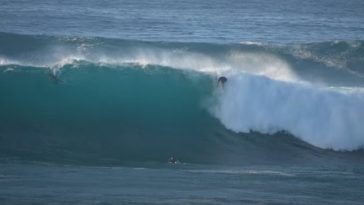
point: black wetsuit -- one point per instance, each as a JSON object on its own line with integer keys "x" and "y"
{"x": 222, "y": 80}
{"x": 172, "y": 160}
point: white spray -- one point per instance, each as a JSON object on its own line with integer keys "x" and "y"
{"x": 324, "y": 117}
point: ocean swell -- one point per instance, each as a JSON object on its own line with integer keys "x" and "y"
{"x": 111, "y": 99}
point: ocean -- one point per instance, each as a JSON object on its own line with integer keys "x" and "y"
{"x": 97, "y": 96}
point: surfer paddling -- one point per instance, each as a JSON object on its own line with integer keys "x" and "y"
{"x": 173, "y": 160}
{"x": 222, "y": 80}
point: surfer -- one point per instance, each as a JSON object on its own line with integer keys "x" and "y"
{"x": 222, "y": 80}
{"x": 172, "y": 160}
{"x": 54, "y": 77}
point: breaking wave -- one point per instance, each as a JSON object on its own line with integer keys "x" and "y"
{"x": 92, "y": 99}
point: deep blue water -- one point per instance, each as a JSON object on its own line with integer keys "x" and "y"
{"x": 189, "y": 20}
{"x": 96, "y": 96}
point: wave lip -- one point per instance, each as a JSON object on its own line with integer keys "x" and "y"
{"x": 332, "y": 63}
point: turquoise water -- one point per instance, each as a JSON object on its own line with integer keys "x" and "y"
{"x": 96, "y": 96}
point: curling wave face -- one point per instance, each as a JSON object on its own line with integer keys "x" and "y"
{"x": 92, "y": 99}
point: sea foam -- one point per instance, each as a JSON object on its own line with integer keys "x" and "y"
{"x": 324, "y": 117}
